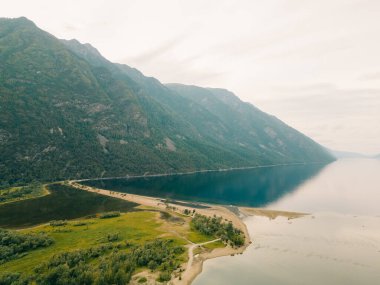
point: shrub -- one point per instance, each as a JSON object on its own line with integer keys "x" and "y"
{"x": 109, "y": 215}
{"x": 13, "y": 279}
{"x": 164, "y": 276}
{"x": 113, "y": 237}
{"x": 58, "y": 223}
{"x": 14, "y": 244}
{"x": 80, "y": 223}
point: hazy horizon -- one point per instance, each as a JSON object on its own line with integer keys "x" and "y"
{"x": 314, "y": 65}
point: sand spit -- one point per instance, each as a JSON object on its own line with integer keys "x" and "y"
{"x": 272, "y": 214}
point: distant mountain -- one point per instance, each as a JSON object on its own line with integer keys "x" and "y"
{"x": 377, "y": 156}
{"x": 346, "y": 154}
{"x": 67, "y": 112}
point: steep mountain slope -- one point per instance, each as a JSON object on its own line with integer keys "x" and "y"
{"x": 249, "y": 130}
{"x": 67, "y": 112}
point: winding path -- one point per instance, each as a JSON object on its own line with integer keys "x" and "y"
{"x": 191, "y": 252}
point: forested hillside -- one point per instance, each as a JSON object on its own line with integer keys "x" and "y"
{"x": 67, "y": 112}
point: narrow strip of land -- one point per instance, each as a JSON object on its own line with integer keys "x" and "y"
{"x": 272, "y": 214}
{"x": 191, "y": 252}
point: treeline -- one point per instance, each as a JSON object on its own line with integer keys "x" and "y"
{"x": 113, "y": 263}
{"x": 14, "y": 244}
{"x": 214, "y": 226}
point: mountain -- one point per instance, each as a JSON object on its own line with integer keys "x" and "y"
{"x": 377, "y": 156}
{"x": 67, "y": 112}
{"x": 346, "y": 154}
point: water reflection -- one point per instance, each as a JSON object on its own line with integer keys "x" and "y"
{"x": 338, "y": 244}
{"x": 253, "y": 187}
{"x": 347, "y": 186}
{"x": 63, "y": 203}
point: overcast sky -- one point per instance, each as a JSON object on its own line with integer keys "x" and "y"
{"x": 315, "y": 64}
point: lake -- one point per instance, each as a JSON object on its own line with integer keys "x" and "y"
{"x": 338, "y": 244}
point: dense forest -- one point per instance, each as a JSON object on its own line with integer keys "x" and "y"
{"x": 216, "y": 227}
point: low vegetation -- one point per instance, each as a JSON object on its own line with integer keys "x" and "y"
{"x": 12, "y": 194}
{"x": 215, "y": 227}
{"x": 101, "y": 251}
{"x": 106, "y": 264}
{"x": 14, "y": 245}
{"x": 58, "y": 223}
{"x": 171, "y": 218}
{"x": 109, "y": 215}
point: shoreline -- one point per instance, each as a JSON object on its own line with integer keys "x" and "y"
{"x": 147, "y": 175}
{"x": 271, "y": 214}
{"x": 220, "y": 252}
{"x": 196, "y": 266}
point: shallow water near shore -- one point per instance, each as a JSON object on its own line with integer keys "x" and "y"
{"x": 313, "y": 250}
{"x": 338, "y": 244}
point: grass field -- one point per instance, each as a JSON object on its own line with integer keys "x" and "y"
{"x": 134, "y": 227}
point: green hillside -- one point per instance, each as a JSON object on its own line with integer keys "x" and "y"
{"x": 67, "y": 112}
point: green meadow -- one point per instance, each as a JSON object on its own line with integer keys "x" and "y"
{"x": 136, "y": 228}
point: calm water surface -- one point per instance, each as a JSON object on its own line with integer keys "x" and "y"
{"x": 339, "y": 244}
{"x": 251, "y": 187}
{"x": 62, "y": 203}
{"x": 325, "y": 249}
{"x": 349, "y": 186}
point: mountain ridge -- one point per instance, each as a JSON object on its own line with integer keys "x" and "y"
{"x": 347, "y": 154}
{"x": 66, "y": 112}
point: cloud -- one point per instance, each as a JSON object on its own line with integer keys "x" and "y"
{"x": 154, "y": 53}
{"x": 70, "y": 28}
{"x": 370, "y": 76}
{"x": 163, "y": 63}
{"x": 340, "y": 118}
